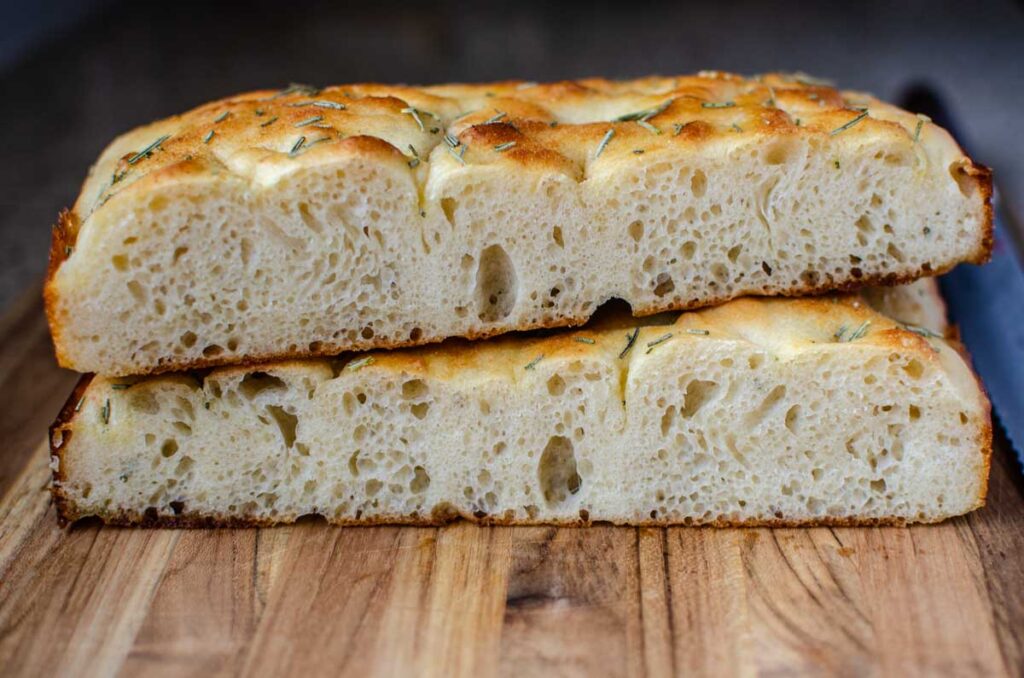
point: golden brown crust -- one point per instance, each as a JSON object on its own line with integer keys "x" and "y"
{"x": 60, "y": 433}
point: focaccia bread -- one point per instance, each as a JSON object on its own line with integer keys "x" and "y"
{"x": 311, "y": 221}
{"x": 759, "y": 412}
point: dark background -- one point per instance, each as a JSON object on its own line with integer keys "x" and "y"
{"x": 73, "y": 74}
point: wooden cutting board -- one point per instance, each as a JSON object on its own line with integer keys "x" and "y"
{"x": 464, "y": 600}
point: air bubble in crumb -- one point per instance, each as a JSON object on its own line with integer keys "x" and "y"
{"x": 557, "y": 472}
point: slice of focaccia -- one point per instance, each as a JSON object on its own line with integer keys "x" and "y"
{"x": 761, "y": 412}
{"x": 311, "y": 221}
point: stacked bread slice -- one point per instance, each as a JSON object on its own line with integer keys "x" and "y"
{"x": 231, "y": 277}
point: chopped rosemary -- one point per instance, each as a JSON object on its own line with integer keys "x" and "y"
{"x": 646, "y": 114}
{"x": 717, "y": 104}
{"x": 222, "y": 117}
{"x": 451, "y": 140}
{"x": 269, "y": 122}
{"x": 553, "y": 123}
{"x": 415, "y": 116}
{"x": 501, "y": 148}
{"x": 923, "y": 331}
{"x": 435, "y": 130}
{"x": 638, "y": 151}
{"x": 116, "y": 177}
{"x": 316, "y": 141}
{"x": 78, "y": 405}
{"x": 360, "y": 363}
{"x": 584, "y": 340}
{"x": 921, "y": 120}
{"x": 698, "y": 331}
{"x": 736, "y": 128}
{"x": 604, "y": 142}
{"x": 533, "y": 363}
{"x": 296, "y": 88}
{"x": 630, "y": 340}
{"x": 495, "y": 118}
{"x": 297, "y": 146}
{"x": 835, "y": 163}
{"x": 771, "y": 97}
{"x": 68, "y": 249}
{"x": 120, "y": 387}
{"x": 309, "y": 121}
{"x": 258, "y": 112}
{"x": 209, "y": 135}
{"x": 811, "y": 81}
{"x": 148, "y": 150}
{"x": 860, "y": 116}
{"x": 105, "y": 412}
{"x": 678, "y": 127}
{"x": 319, "y": 103}
{"x": 859, "y": 332}
{"x": 415, "y": 156}
{"x": 458, "y": 154}
{"x": 651, "y": 345}
{"x": 648, "y": 126}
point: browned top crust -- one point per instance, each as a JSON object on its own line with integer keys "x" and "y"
{"x": 570, "y": 126}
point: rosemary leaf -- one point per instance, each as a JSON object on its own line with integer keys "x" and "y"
{"x": 717, "y": 104}
{"x": 651, "y": 345}
{"x": 209, "y": 135}
{"x": 495, "y": 118}
{"x": 415, "y": 113}
{"x": 648, "y": 126}
{"x": 842, "y": 128}
{"x": 584, "y": 340}
{"x": 630, "y": 340}
{"x": 604, "y": 142}
{"x": 309, "y": 121}
{"x": 319, "y": 103}
{"x": 296, "y": 88}
{"x": 533, "y": 363}
{"x": 360, "y": 363}
{"x": 501, "y": 148}
{"x": 646, "y": 114}
{"x": 222, "y": 117}
{"x": 269, "y": 122}
{"x": 921, "y": 120}
{"x": 698, "y": 331}
{"x": 923, "y": 331}
{"x": 148, "y": 150}
{"x": 297, "y": 146}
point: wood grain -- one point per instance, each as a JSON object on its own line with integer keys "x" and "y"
{"x": 310, "y": 599}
